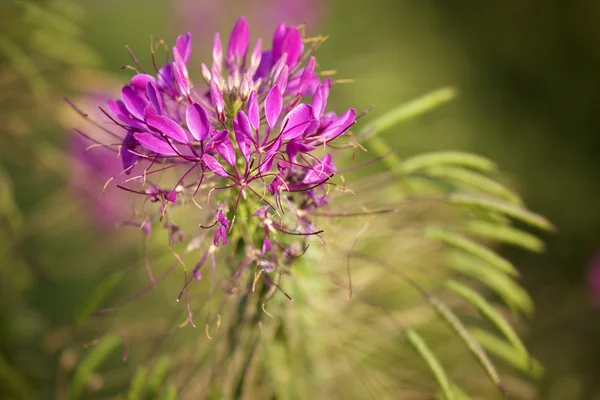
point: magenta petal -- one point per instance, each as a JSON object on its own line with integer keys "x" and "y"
{"x": 282, "y": 78}
{"x": 134, "y": 103}
{"x": 339, "y": 126}
{"x": 197, "y": 121}
{"x": 166, "y": 78}
{"x": 253, "y": 114}
{"x": 243, "y": 133}
{"x": 155, "y": 97}
{"x": 320, "y": 171}
{"x": 149, "y": 111}
{"x": 290, "y": 42}
{"x": 307, "y": 75}
{"x": 226, "y": 150}
{"x": 180, "y": 73}
{"x": 168, "y": 127}
{"x": 184, "y": 46}
{"x": 296, "y": 121}
{"x": 127, "y": 156}
{"x": 119, "y": 109}
{"x": 217, "y": 51}
{"x": 270, "y": 156}
{"x": 140, "y": 81}
{"x": 239, "y": 40}
{"x": 216, "y": 98}
{"x": 154, "y": 143}
{"x": 319, "y": 102}
{"x": 273, "y": 105}
{"x": 213, "y": 165}
{"x": 243, "y": 125}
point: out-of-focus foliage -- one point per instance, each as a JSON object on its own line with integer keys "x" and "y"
{"x": 515, "y": 65}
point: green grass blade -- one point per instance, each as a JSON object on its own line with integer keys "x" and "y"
{"x": 473, "y": 180}
{"x": 136, "y": 389}
{"x": 507, "y": 352}
{"x": 472, "y": 247}
{"x": 417, "y": 342}
{"x": 409, "y": 110}
{"x": 488, "y": 311}
{"x": 507, "y": 209}
{"x": 506, "y": 234}
{"x": 474, "y": 347}
{"x": 456, "y": 158}
{"x": 511, "y": 292}
{"x": 90, "y": 363}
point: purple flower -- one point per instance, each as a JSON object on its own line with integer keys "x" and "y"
{"x": 254, "y": 140}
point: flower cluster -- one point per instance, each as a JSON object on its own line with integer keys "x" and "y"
{"x": 255, "y": 140}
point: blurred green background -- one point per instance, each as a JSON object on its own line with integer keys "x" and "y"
{"x": 527, "y": 74}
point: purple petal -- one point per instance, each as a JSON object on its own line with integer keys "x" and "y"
{"x": 166, "y": 78}
{"x": 140, "y": 81}
{"x": 319, "y": 102}
{"x": 168, "y": 127}
{"x": 296, "y": 121}
{"x": 118, "y": 108}
{"x": 267, "y": 162}
{"x": 273, "y": 105}
{"x": 197, "y": 121}
{"x": 289, "y": 42}
{"x": 239, "y": 40}
{"x": 243, "y": 133}
{"x": 307, "y": 75}
{"x": 282, "y": 78}
{"x": 226, "y": 150}
{"x": 134, "y": 103}
{"x": 256, "y": 56}
{"x": 253, "y": 110}
{"x": 149, "y": 111}
{"x": 216, "y": 98}
{"x": 320, "y": 171}
{"x": 184, "y": 46}
{"x": 339, "y": 126}
{"x": 129, "y": 158}
{"x": 155, "y": 97}
{"x": 295, "y": 147}
{"x": 154, "y": 143}
{"x": 266, "y": 63}
{"x": 213, "y": 165}
{"x": 243, "y": 125}
{"x": 180, "y": 73}
{"x": 217, "y": 51}
{"x": 216, "y": 138}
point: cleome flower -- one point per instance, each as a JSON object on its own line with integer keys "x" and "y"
{"x": 254, "y": 139}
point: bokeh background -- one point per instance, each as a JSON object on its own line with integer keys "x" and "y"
{"x": 528, "y": 78}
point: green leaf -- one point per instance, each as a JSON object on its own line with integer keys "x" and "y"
{"x": 90, "y": 363}
{"x": 101, "y": 291}
{"x": 507, "y": 353}
{"x": 170, "y": 392}
{"x": 489, "y": 312}
{"x": 444, "y": 158}
{"x": 507, "y": 209}
{"x": 409, "y": 110}
{"x": 511, "y": 292}
{"x": 474, "y": 347}
{"x": 506, "y": 234}
{"x": 23, "y": 66}
{"x": 472, "y": 247}
{"x": 155, "y": 382}
{"x": 136, "y": 389}
{"x": 474, "y": 180}
{"x": 432, "y": 362}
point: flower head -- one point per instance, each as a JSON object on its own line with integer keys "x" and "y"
{"x": 254, "y": 139}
